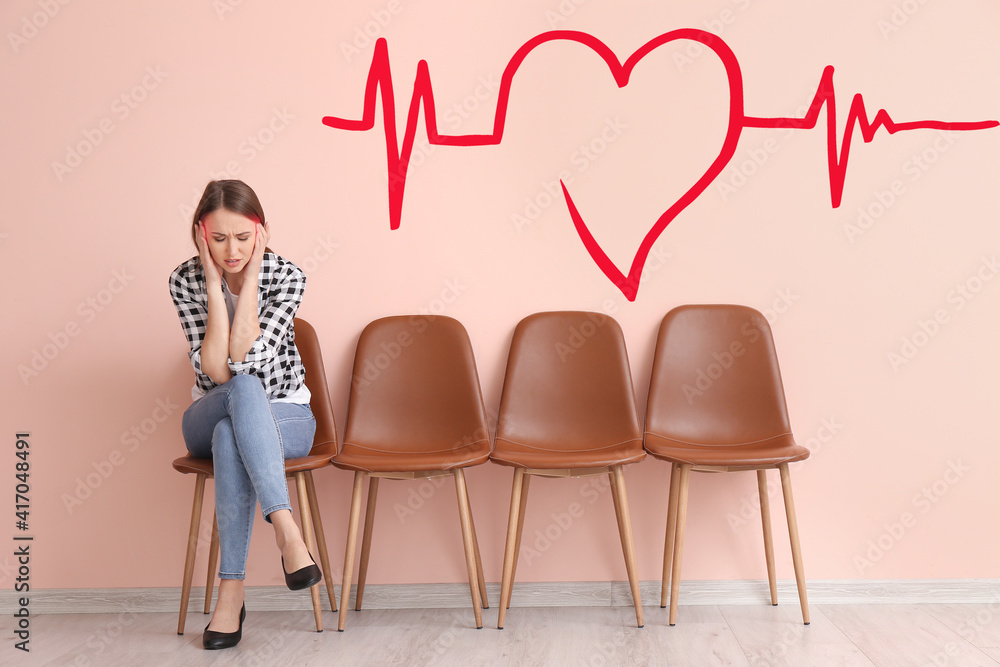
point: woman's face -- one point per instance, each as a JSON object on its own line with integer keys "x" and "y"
{"x": 230, "y": 239}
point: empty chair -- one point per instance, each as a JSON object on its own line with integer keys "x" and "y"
{"x": 300, "y": 469}
{"x": 416, "y": 411}
{"x": 716, "y": 404}
{"x": 567, "y": 410}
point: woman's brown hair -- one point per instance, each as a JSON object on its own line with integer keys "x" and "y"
{"x": 230, "y": 195}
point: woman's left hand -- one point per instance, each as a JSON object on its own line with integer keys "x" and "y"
{"x": 261, "y": 238}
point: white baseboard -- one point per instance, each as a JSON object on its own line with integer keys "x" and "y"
{"x": 559, "y": 594}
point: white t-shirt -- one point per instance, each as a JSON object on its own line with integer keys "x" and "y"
{"x": 300, "y": 395}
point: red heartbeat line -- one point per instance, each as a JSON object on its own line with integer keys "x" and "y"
{"x": 398, "y": 154}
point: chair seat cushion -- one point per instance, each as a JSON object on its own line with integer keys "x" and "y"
{"x": 769, "y": 452}
{"x": 521, "y": 455}
{"x": 371, "y": 459}
{"x": 318, "y": 457}
{"x": 191, "y": 465}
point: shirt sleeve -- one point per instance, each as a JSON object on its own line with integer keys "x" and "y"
{"x": 190, "y": 302}
{"x": 277, "y": 312}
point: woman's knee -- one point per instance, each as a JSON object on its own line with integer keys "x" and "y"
{"x": 245, "y": 387}
{"x": 223, "y": 432}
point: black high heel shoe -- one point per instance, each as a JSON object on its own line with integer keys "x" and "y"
{"x": 302, "y": 578}
{"x": 212, "y": 640}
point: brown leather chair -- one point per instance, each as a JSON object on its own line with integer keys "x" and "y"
{"x": 416, "y": 411}
{"x": 716, "y": 404}
{"x": 324, "y": 448}
{"x": 567, "y": 410}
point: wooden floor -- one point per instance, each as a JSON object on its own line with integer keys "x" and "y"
{"x": 883, "y": 635}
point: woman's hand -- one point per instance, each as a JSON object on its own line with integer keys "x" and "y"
{"x": 262, "y": 234}
{"x": 213, "y": 274}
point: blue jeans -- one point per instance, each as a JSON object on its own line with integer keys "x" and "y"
{"x": 248, "y": 438}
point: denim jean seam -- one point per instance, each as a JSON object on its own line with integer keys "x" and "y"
{"x": 284, "y": 480}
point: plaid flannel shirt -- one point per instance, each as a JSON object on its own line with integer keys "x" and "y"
{"x": 273, "y": 357}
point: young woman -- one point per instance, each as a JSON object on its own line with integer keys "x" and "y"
{"x": 236, "y": 301}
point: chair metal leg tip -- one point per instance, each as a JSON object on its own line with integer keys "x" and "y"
{"x": 499, "y": 627}
{"x": 663, "y": 606}
{"x": 486, "y": 607}
{"x": 479, "y": 627}
{"x": 672, "y": 624}
{"x": 642, "y": 626}
{"x": 340, "y": 629}
{"x": 774, "y": 604}
{"x": 805, "y": 623}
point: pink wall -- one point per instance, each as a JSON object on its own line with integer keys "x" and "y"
{"x": 163, "y": 97}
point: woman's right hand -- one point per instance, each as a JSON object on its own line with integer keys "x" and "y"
{"x": 213, "y": 275}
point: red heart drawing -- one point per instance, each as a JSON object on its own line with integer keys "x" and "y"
{"x": 629, "y": 284}
{"x": 398, "y": 152}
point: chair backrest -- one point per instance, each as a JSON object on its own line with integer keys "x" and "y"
{"x": 307, "y": 343}
{"x": 415, "y": 387}
{"x": 568, "y": 385}
{"x": 715, "y": 378}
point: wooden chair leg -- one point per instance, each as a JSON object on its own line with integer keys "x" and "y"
{"x": 793, "y": 537}
{"x": 625, "y": 530}
{"x": 765, "y": 519}
{"x": 352, "y": 538}
{"x": 192, "y": 549}
{"x": 618, "y": 513}
{"x": 479, "y": 563}
{"x": 465, "y": 515}
{"x": 668, "y": 540}
{"x": 305, "y": 517}
{"x": 213, "y": 563}
{"x": 366, "y": 541}
{"x": 509, "y": 554}
{"x": 520, "y": 529}
{"x": 324, "y": 557}
{"x": 675, "y": 575}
